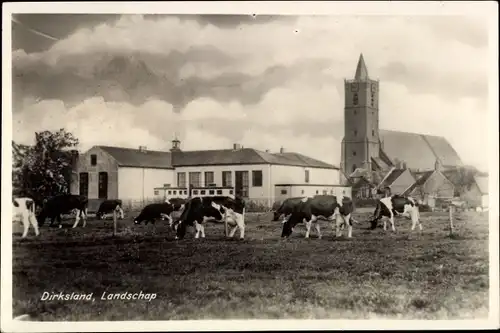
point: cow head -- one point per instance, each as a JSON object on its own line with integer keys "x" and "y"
{"x": 220, "y": 211}
{"x": 289, "y": 223}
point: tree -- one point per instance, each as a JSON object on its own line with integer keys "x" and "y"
{"x": 44, "y": 169}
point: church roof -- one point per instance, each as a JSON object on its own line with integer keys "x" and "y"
{"x": 419, "y": 151}
{"x": 361, "y": 70}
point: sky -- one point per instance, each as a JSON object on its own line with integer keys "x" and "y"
{"x": 258, "y": 80}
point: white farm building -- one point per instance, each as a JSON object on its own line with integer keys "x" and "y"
{"x": 141, "y": 175}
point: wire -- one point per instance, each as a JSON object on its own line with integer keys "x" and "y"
{"x": 36, "y": 32}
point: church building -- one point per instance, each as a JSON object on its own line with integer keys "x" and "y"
{"x": 365, "y": 146}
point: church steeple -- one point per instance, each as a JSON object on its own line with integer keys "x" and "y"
{"x": 361, "y": 71}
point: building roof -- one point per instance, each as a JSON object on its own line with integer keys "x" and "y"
{"x": 361, "y": 70}
{"x": 167, "y": 160}
{"x": 419, "y": 151}
{"x": 482, "y": 183}
{"x": 136, "y": 158}
{"x": 421, "y": 178}
{"x": 391, "y": 177}
{"x": 245, "y": 156}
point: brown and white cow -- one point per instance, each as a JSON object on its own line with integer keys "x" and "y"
{"x": 396, "y": 205}
{"x": 23, "y": 209}
{"x": 199, "y": 210}
{"x": 328, "y": 207}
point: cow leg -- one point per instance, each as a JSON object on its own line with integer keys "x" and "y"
{"x": 233, "y": 231}
{"x": 392, "y": 223}
{"x": 347, "y": 222}
{"x": 339, "y": 220}
{"x": 77, "y": 219}
{"x": 197, "y": 227}
{"x": 308, "y": 226}
{"x": 84, "y": 216}
{"x": 202, "y": 229}
{"x": 318, "y": 230}
{"x": 26, "y": 224}
{"x": 415, "y": 219}
{"x": 59, "y": 220}
{"x": 34, "y": 223}
{"x": 120, "y": 210}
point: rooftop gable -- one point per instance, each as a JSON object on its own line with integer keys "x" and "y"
{"x": 129, "y": 157}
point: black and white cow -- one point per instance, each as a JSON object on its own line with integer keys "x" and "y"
{"x": 199, "y": 210}
{"x": 320, "y": 206}
{"x": 285, "y": 208}
{"x": 61, "y": 204}
{"x": 178, "y": 205}
{"x": 23, "y": 209}
{"x": 108, "y": 206}
{"x": 396, "y": 205}
{"x": 155, "y": 211}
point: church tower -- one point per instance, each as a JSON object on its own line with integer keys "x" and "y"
{"x": 361, "y": 140}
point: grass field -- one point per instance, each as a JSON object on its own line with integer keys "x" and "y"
{"x": 372, "y": 275}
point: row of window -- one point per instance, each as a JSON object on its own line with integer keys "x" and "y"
{"x": 102, "y": 184}
{"x": 195, "y": 192}
{"x": 325, "y": 192}
{"x": 242, "y": 176}
{"x": 355, "y": 99}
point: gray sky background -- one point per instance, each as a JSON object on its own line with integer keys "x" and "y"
{"x": 262, "y": 81}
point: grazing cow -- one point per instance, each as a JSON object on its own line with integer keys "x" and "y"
{"x": 320, "y": 206}
{"x": 396, "y": 205}
{"x": 108, "y": 206}
{"x": 155, "y": 211}
{"x": 199, "y": 210}
{"x": 285, "y": 208}
{"x": 61, "y": 204}
{"x": 178, "y": 206}
{"x": 24, "y": 210}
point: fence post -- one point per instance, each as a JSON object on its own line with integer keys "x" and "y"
{"x": 450, "y": 209}
{"x": 114, "y": 222}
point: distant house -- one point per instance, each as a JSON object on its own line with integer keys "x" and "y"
{"x": 469, "y": 186}
{"x": 430, "y": 185}
{"x": 140, "y": 174}
{"x": 397, "y": 180}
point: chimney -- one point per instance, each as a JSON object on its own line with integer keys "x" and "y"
{"x": 267, "y": 151}
{"x": 236, "y": 146}
{"x": 404, "y": 166}
{"x": 176, "y": 145}
{"x": 282, "y": 150}
{"x": 437, "y": 165}
{"x": 143, "y": 148}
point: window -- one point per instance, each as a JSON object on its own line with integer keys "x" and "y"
{"x": 226, "y": 179}
{"x": 283, "y": 191}
{"x": 242, "y": 183}
{"x": 355, "y": 112}
{"x": 181, "y": 179}
{"x": 331, "y": 192}
{"x": 355, "y": 99}
{"x": 317, "y": 191}
{"x": 325, "y": 192}
{"x": 174, "y": 192}
{"x": 93, "y": 159}
{"x": 202, "y": 192}
{"x": 219, "y": 192}
{"x": 169, "y": 192}
{"x": 209, "y": 178}
{"x": 168, "y": 185}
{"x": 231, "y": 191}
{"x": 353, "y": 153}
{"x": 185, "y": 192}
{"x": 353, "y": 167}
{"x": 84, "y": 183}
{"x": 373, "y": 99}
{"x": 302, "y": 192}
{"x": 195, "y": 191}
{"x": 195, "y": 179}
{"x": 355, "y": 132}
{"x": 373, "y": 132}
{"x": 211, "y": 192}
{"x": 157, "y": 192}
{"x": 103, "y": 185}
{"x": 306, "y": 176}
{"x": 257, "y": 178}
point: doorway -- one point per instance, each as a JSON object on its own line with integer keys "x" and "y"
{"x": 103, "y": 185}
{"x": 241, "y": 184}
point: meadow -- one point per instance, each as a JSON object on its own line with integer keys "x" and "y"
{"x": 375, "y": 274}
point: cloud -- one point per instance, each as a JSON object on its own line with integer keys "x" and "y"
{"x": 278, "y": 82}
